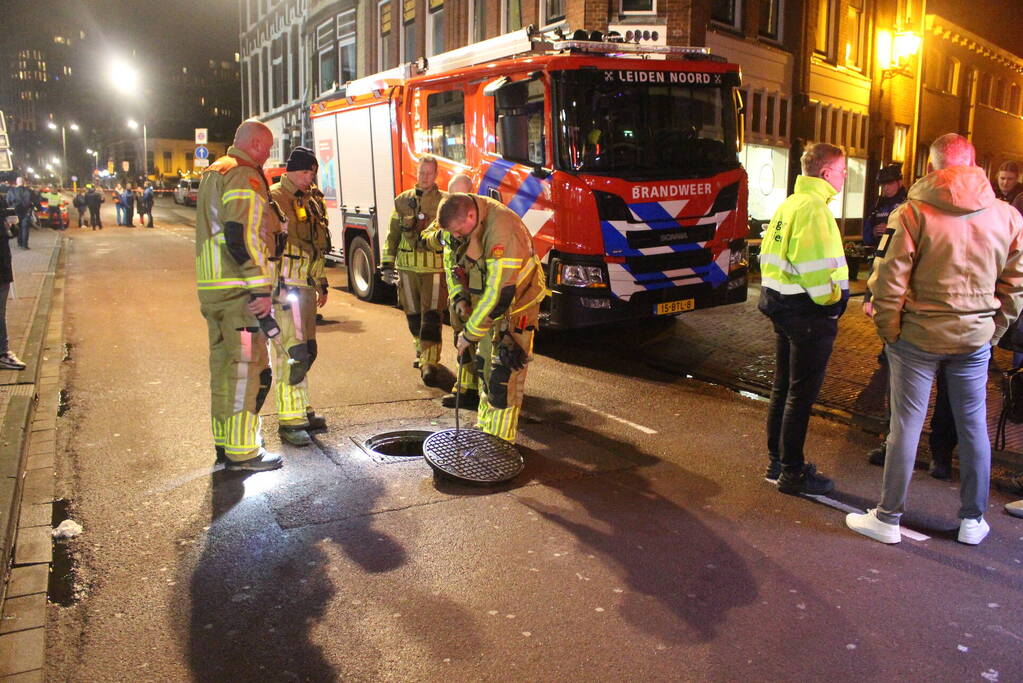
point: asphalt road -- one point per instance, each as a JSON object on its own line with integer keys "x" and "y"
{"x": 641, "y": 542}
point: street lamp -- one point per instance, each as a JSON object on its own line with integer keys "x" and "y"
{"x": 133, "y": 124}
{"x": 63, "y": 144}
{"x": 95, "y": 158}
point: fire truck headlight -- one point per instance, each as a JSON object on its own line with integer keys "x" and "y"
{"x": 581, "y": 276}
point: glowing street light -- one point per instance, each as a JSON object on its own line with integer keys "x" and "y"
{"x": 56, "y": 161}
{"x": 123, "y": 76}
{"x": 52, "y": 125}
{"x": 30, "y": 170}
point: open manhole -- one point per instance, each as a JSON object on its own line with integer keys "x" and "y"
{"x": 396, "y": 446}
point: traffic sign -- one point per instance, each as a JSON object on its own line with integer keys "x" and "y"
{"x": 202, "y": 152}
{"x": 201, "y": 136}
{"x": 200, "y": 163}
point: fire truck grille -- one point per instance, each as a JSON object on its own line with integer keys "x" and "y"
{"x": 658, "y": 263}
{"x": 472, "y": 456}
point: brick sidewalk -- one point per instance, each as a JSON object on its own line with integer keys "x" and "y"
{"x": 734, "y": 346}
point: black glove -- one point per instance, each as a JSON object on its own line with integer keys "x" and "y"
{"x": 510, "y": 354}
{"x": 389, "y": 275}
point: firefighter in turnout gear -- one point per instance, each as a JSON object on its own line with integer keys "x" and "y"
{"x": 234, "y": 277}
{"x": 421, "y": 288}
{"x": 505, "y": 318}
{"x": 301, "y": 289}
{"x": 465, "y": 285}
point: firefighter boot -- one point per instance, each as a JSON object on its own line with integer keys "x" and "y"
{"x": 317, "y": 423}
{"x": 263, "y": 462}
{"x": 296, "y": 436}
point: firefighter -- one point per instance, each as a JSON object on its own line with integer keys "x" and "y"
{"x": 302, "y": 286}
{"x": 506, "y": 316}
{"x": 462, "y": 297}
{"x": 421, "y": 288}
{"x": 234, "y": 280}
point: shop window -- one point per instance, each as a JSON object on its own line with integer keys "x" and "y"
{"x": 445, "y": 121}
{"x": 519, "y": 108}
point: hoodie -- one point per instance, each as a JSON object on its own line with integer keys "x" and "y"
{"x": 948, "y": 276}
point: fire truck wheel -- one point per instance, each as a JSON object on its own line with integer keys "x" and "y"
{"x": 363, "y": 280}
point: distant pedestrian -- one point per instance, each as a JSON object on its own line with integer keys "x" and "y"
{"x": 804, "y": 290}
{"x": 119, "y": 203}
{"x": 128, "y": 202}
{"x": 21, "y": 200}
{"x": 146, "y": 205}
{"x": 9, "y": 226}
{"x": 947, "y": 282}
{"x": 1008, "y": 187}
{"x": 79, "y": 203}
{"x": 94, "y": 199}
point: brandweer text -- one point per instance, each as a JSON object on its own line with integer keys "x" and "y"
{"x": 670, "y": 191}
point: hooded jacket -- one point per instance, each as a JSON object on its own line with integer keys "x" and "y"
{"x": 947, "y": 277}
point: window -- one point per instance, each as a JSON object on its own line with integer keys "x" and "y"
{"x": 726, "y": 11}
{"x": 166, "y": 162}
{"x": 520, "y": 122}
{"x": 246, "y": 102}
{"x": 950, "y": 76}
{"x": 408, "y": 43}
{"x": 984, "y": 89}
{"x": 855, "y": 34}
{"x": 998, "y": 96}
{"x": 346, "y": 45}
{"x": 756, "y": 109}
{"x": 553, "y": 11}
{"x": 384, "y": 23}
{"x": 478, "y": 21}
{"x": 511, "y": 15}
{"x": 445, "y": 121}
{"x": 770, "y": 19}
{"x": 899, "y": 138}
{"x": 824, "y": 36}
{"x": 265, "y": 78}
{"x": 1014, "y": 99}
{"x": 769, "y": 125}
{"x": 639, "y": 6}
{"x": 293, "y": 56}
{"x": 277, "y": 66}
{"x": 327, "y": 60}
{"x": 435, "y": 30}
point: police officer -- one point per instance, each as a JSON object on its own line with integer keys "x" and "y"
{"x": 464, "y": 288}
{"x": 234, "y": 279}
{"x": 505, "y": 317}
{"x": 302, "y": 286}
{"x": 889, "y": 179}
{"x": 421, "y": 287}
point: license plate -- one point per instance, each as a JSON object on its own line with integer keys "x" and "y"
{"x": 669, "y": 307}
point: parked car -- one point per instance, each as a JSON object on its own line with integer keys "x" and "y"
{"x": 187, "y": 191}
{"x": 43, "y": 214}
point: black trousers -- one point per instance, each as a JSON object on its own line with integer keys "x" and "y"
{"x": 94, "y": 217}
{"x": 803, "y": 346}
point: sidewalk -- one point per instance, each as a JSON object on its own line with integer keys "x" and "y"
{"x": 734, "y": 346}
{"x": 28, "y": 411}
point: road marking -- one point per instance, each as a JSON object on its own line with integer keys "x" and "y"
{"x": 845, "y": 507}
{"x": 645, "y": 430}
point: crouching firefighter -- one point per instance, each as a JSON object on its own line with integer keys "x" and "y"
{"x": 421, "y": 289}
{"x": 234, "y": 276}
{"x": 302, "y": 288}
{"x": 505, "y": 318}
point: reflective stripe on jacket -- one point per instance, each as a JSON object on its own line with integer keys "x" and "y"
{"x": 802, "y": 259}
{"x": 302, "y": 263}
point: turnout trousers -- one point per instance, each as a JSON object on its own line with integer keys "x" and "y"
{"x": 502, "y": 388}
{"x": 467, "y": 378}
{"x": 423, "y": 297}
{"x": 295, "y": 311}
{"x": 239, "y": 378}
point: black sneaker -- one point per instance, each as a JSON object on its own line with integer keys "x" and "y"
{"x": 877, "y": 456}
{"x": 808, "y": 482}
{"x": 773, "y": 471}
{"x": 261, "y": 463}
{"x": 941, "y": 469}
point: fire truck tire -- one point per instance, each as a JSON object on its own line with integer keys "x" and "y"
{"x": 363, "y": 280}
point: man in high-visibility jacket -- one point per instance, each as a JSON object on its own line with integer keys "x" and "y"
{"x": 234, "y": 277}
{"x": 302, "y": 289}
{"x": 421, "y": 288}
{"x": 804, "y": 289}
{"x": 506, "y": 316}
{"x": 465, "y": 284}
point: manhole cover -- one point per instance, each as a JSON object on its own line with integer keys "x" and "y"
{"x": 397, "y": 445}
{"x": 472, "y": 456}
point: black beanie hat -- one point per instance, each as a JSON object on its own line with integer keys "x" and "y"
{"x": 302, "y": 159}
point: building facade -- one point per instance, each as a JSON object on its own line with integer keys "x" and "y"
{"x": 868, "y": 75}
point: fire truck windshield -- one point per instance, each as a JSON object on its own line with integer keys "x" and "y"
{"x": 644, "y": 123}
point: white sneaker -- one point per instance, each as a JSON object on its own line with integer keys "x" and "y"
{"x": 869, "y": 525}
{"x": 973, "y": 531}
{"x": 1015, "y": 508}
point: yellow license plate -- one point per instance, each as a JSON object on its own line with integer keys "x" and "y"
{"x": 669, "y": 307}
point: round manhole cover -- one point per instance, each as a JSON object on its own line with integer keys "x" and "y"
{"x": 472, "y": 456}
{"x": 401, "y": 444}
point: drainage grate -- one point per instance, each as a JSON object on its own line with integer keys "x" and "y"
{"x": 397, "y": 446}
{"x": 472, "y": 456}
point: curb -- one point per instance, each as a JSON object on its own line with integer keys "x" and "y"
{"x": 26, "y": 467}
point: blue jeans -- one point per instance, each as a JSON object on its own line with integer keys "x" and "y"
{"x": 912, "y": 371}
{"x": 120, "y": 214}
{"x": 26, "y": 225}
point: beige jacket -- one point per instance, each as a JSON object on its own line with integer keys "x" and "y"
{"x": 948, "y": 277}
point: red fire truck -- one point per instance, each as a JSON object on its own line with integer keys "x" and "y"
{"x": 620, "y": 159}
